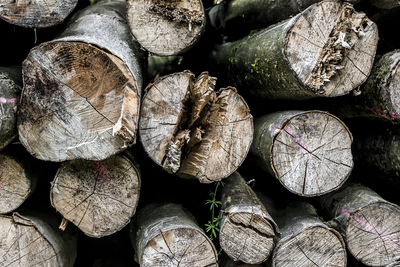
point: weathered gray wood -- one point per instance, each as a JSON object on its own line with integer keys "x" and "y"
{"x": 99, "y": 197}
{"x": 10, "y": 90}
{"x": 385, "y": 4}
{"x": 16, "y": 183}
{"x": 309, "y": 152}
{"x": 191, "y": 130}
{"x": 326, "y": 50}
{"x": 36, "y": 14}
{"x": 81, "y": 91}
{"x": 33, "y": 241}
{"x": 167, "y": 235}
{"x": 369, "y": 224}
{"x": 166, "y": 27}
{"x": 247, "y": 230}
{"x": 306, "y": 240}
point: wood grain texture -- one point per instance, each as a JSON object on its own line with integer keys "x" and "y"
{"x": 167, "y": 235}
{"x": 99, "y": 197}
{"x": 166, "y": 27}
{"x": 309, "y": 152}
{"x": 247, "y": 230}
{"x": 81, "y": 91}
{"x": 370, "y": 224}
{"x": 36, "y": 14}
{"x": 325, "y": 51}
{"x": 31, "y": 241}
{"x": 191, "y": 130}
{"x": 10, "y": 90}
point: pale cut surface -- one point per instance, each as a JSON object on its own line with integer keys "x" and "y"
{"x": 166, "y": 27}
{"x": 189, "y": 129}
{"x": 186, "y": 247}
{"x": 331, "y": 47}
{"x": 311, "y": 155}
{"x": 247, "y": 237}
{"x": 373, "y": 234}
{"x": 78, "y": 101}
{"x": 36, "y": 13}
{"x": 314, "y": 246}
{"x": 99, "y": 197}
{"x": 15, "y": 186}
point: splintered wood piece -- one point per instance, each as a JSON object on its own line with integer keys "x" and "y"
{"x": 166, "y": 27}
{"x": 36, "y": 14}
{"x": 189, "y": 129}
{"x": 167, "y": 235}
{"x": 326, "y": 50}
{"x": 16, "y": 184}
{"x": 370, "y": 224}
{"x": 10, "y": 90}
{"x": 81, "y": 92}
{"x": 309, "y": 152}
{"x": 99, "y": 197}
{"x": 247, "y": 230}
{"x": 31, "y": 241}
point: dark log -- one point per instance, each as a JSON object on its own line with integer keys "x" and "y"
{"x": 191, "y": 130}
{"x": 81, "y": 91}
{"x": 160, "y": 66}
{"x": 369, "y": 224}
{"x": 166, "y": 27}
{"x": 385, "y": 4}
{"x": 99, "y": 197}
{"x": 36, "y": 14}
{"x": 167, "y": 235}
{"x": 247, "y": 230}
{"x": 309, "y": 152}
{"x": 325, "y": 51}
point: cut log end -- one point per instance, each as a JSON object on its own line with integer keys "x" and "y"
{"x": 36, "y": 14}
{"x": 166, "y": 27}
{"x": 193, "y": 131}
{"x": 373, "y": 235}
{"x": 247, "y": 237}
{"x": 78, "y": 101}
{"x": 331, "y": 47}
{"x": 314, "y": 246}
{"x": 311, "y": 154}
{"x": 179, "y": 247}
{"x": 99, "y": 197}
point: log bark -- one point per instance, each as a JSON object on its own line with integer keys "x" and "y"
{"x": 36, "y": 14}
{"x": 158, "y": 66}
{"x": 369, "y": 224}
{"x": 325, "y": 51}
{"x": 309, "y": 152}
{"x": 385, "y": 4}
{"x": 247, "y": 230}
{"x": 99, "y": 197}
{"x": 32, "y": 241}
{"x": 10, "y": 90}
{"x": 165, "y": 27}
{"x": 81, "y": 91}
{"x": 306, "y": 240}
{"x": 191, "y": 130}
{"x": 16, "y": 183}
{"x": 167, "y": 235}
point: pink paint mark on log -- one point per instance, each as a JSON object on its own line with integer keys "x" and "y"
{"x": 4, "y": 100}
{"x": 295, "y": 137}
{"x": 102, "y": 171}
{"x": 394, "y": 115}
{"x": 385, "y": 114}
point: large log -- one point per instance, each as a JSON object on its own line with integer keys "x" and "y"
{"x": 33, "y": 241}
{"x": 166, "y": 27}
{"x": 16, "y": 183}
{"x": 369, "y": 224}
{"x": 247, "y": 230}
{"x": 10, "y": 90}
{"x": 306, "y": 240}
{"x": 99, "y": 197}
{"x": 167, "y": 235}
{"x": 81, "y": 91}
{"x": 326, "y": 50}
{"x": 189, "y": 129}
{"x": 36, "y": 14}
{"x": 309, "y": 152}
